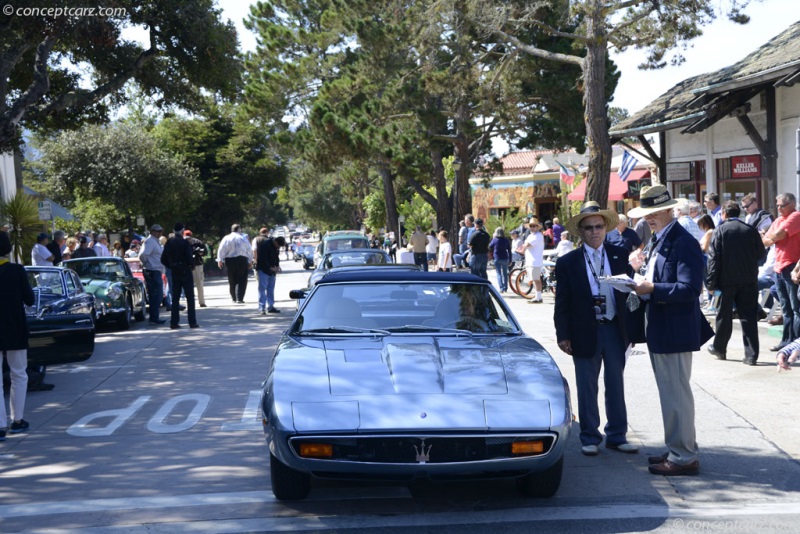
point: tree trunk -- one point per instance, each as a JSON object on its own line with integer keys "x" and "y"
{"x": 444, "y": 215}
{"x": 392, "y": 223}
{"x": 595, "y": 113}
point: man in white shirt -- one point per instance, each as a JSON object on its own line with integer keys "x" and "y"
{"x": 40, "y": 255}
{"x": 235, "y": 253}
{"x": 101, "y": 245}
{"x": 534, "y": 257}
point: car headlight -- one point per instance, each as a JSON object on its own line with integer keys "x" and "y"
{"x": 114, "y": 292}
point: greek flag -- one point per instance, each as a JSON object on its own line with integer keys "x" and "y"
{"x": 628, "y": 163}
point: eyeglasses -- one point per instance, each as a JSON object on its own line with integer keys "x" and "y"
{"x": 782, "y": 205}
{"x": 745, "y": 206}
{"x": 592, "y": 227}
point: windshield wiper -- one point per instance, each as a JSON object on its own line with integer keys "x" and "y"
{"x": 341, "y": 329}
{"x": 426, "y": 328}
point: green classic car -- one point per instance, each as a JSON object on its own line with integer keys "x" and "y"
{"x": 61, "y": 320}
{"x": 119, "y": 296}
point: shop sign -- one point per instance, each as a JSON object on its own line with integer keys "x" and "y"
{"x": 635, "y": 187}
{"x": 679, "y": 172}
{"x": 745, "y": 166}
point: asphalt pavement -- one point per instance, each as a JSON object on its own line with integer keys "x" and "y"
{"x": 160, "y": 432}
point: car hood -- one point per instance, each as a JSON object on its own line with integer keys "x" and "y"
{"x": 419, "y": 382}
{"x": 95, "y": 285}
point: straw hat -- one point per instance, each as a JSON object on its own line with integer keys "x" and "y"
{"x": 533, "y": 221}
{"x": 590, "y": 209}
{"x": 653, "y": 199}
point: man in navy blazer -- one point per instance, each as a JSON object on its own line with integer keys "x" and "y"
{"x": 674, "y": 325}
{"x": 590, "y": 326}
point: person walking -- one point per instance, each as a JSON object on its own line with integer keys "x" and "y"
{"x": 153, "y": 271}
{"x": 673, "y": 326}
{"x": 267, "y": 259}
{"x": 784, "y": 233}
{"x": 501, "y": 252}
{"x": 199, "y": 253}
{"x": 419, "y": 242}
{"x": 179, "y": 258}
{"x": 733, "y": 257}
{"x": 234, "y": 252}
{"x": 17, "y": 292}
{"x": 624, "y": 237}
{"x": 759, "y": 219}
{"x": 590, "y": 326}
{"x": 479, "y": 250}
{"x": 534, "y": 257}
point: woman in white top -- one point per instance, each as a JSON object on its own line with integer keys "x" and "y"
{"x": 445, "y": 253}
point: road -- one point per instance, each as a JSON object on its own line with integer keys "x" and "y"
{"x": 159, "y": 432}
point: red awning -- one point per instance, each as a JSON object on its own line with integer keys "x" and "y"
{"x": 617, "y": 189}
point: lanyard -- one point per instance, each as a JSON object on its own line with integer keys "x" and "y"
{"x": 591, "y": 265}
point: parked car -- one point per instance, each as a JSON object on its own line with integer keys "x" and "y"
{"x": 305, "y": 253}
{"x": 136, "y": 268}
{"x": 340, "y": 240}
{"x": 402, "y": 374}
{"x": 343, "y": 258}
{"x": 62, "y": 318}
{"x": 119, "y": 296}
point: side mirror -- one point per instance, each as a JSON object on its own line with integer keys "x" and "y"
{"x": 297, "y": 294}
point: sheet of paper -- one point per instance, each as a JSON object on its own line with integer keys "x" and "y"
{"x": 620, "y": 282}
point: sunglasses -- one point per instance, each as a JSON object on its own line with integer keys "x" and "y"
{"x": 592, "y": 227}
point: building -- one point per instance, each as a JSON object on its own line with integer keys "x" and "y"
{"x": 530, "y": 182}
{"x": 731, "y": 131}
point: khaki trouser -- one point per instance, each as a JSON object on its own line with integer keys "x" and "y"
{"x": 198, "y": 277}
{"x": 673, "y": 373}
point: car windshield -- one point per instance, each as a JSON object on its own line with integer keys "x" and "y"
{"x": 109, "y": 269}
{"x": 346, "y": 243}
{"x": 354, "y": 257}
{"x": 391, "y": 307}
{"x": 46, "y": 282}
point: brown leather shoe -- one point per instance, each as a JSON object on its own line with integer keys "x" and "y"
{"x": 660, "y": 459}
{"x": 776, "y": 320}
{"x": 669, "y": 469}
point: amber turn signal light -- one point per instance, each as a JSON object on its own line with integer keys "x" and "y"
{"x": 527, "y": 447}
{"x": 316, "y": 450}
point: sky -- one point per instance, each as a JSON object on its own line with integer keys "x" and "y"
{"x": 722, "y": 43}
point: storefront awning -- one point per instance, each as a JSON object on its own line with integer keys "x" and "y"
{"x": 617, "y": 189}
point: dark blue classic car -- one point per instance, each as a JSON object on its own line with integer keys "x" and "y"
{"x": 119, "y": 296}
{"x": 397, "y": 375}
{"x": 62, "y": 319}
{"x": 305, "y": 253}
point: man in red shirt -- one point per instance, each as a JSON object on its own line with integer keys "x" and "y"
{"x": 785, "y": 235}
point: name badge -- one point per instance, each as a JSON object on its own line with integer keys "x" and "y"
{"x": 599, "y": 307}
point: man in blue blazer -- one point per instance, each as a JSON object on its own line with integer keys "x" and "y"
{"x": 674, "y": 325}
{"x": 590, "y": 327}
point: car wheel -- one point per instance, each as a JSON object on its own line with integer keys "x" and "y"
{"x": 126, "y": 318}
{"x": 139, "y": 315}
{"x": 287, "y": 483}
{"x": 544, "y": 484}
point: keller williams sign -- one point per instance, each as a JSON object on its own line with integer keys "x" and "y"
{"x": 745, "y": 166}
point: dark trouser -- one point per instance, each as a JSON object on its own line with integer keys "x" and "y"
{"x": 610, "y": 352}
{"x": 237, "y": 276}
{"x": 182, "y": 282}
{"x": 746, "y": 299}
{"x": 421, "y": 259}
{"x": 478, "y": 264}
{"x": 155, "y": 291}
{"x": 787, "y": 294}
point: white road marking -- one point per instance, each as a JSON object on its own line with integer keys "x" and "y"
{"x": 120, "y": 416}
{"x": 82, "y": 368}
{"x": 250, "y": 419}
{"x": 157, "y": 424}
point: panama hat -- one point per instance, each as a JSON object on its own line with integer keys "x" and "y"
{"x": 653, "y": 199}
{"x": 590, "y": 209}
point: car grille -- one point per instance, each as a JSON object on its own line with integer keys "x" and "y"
{"x": 438, "y": 449}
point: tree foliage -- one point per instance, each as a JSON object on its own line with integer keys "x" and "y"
{"x": 21, "y": 213}
{"x": 236, "y": 166}
{"x": 61, "y": 71}
{"x": 661, "y": 27}
{"x": 123, "y": 167}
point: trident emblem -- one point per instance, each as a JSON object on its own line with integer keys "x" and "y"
{"x": 423, "y": 456}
